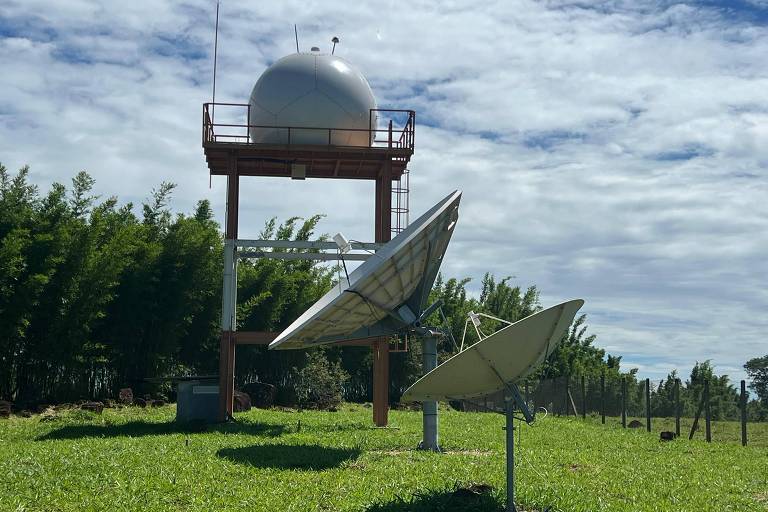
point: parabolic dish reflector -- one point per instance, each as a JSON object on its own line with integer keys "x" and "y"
{"x": 384, "y": 294}
{"x": 503, "y": 357}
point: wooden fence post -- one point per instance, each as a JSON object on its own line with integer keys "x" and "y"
{"x": 567, "y": 397}
{"x": 707, "y": 412}
{"x": 677, "y": 407}
{"x": 743, "y": 413}
{"x": 602, "y": 398}
{"x": 583, "y": 398}
{"x": 624, "y": 402}
{"x": 648, "y": 404}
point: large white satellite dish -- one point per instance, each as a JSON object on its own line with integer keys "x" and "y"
{"x": 496, "y": 362}
{"x": 385, "y": 295}
{"x": 502, "y": 358}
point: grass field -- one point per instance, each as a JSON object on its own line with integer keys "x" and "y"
{"x": 138, "y": 459}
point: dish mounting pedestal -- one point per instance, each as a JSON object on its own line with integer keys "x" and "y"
{"x": 510, "y": 402}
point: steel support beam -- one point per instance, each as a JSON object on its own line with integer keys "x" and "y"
{"x": 380, "y": 348}
{"x": 383, "y": 214}
{"x": 509, "y": 413}
{"x": 229, "y": 296}
{"x": 430, "y": 438}
{"x": 384, "y": 205}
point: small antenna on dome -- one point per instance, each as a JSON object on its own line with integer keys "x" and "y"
{"x": 335, "y": 41}
{"x": 296, "y": 33}
{"x": 215, "y": 59}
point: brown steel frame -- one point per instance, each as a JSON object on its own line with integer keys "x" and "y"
{"x": 384, "y": 161}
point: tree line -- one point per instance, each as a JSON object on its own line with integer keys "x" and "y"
{"x": 95, "y": 296}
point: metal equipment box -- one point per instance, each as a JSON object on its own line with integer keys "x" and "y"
{"x": 197, "y": 402}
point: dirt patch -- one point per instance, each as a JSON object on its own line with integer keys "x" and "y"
{"x": 393, "y": 453}
{"x": 467, "y": 453}
{"x": 576, "y": 467}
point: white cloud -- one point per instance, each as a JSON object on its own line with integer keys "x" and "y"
{"x": 614, "y": 151}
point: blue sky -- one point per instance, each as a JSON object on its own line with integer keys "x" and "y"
{"x": 614, "y": 151}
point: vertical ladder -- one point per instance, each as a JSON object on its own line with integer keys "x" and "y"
{"x": 400, "y": 220}
{"x": 400, "y": 203}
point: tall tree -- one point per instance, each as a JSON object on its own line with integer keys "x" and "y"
{"x": 722, "y": 394}
{"x": 757, "y": 369}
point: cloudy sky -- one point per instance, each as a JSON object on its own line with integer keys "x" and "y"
{"x": 614, "y": 151}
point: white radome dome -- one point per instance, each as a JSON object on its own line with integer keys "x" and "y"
{"x": 312, "y": 90}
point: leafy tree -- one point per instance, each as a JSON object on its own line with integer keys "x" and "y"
{"x": 663, "y": 398}
{"x": 575, "y": 354}
{"x": 757, "y": 411}
{"x": 92, "y": 298}
{"x": 757, "y": 369}
{"x": 722, "y": 394}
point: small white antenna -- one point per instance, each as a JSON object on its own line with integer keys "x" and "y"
{"x": 343, "y": 244}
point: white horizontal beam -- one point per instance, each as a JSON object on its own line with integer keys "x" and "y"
{"x": 316, "y": 256}
{"x": 304, "y": 244}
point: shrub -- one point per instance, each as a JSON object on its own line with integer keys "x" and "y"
{"x": 319, "y": 383}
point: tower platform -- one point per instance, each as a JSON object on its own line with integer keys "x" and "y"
{"x": 229, "y": 147}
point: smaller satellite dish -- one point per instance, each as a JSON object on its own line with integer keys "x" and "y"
{"x": 500, "y": 359}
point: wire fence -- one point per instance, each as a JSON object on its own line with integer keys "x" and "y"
{"x": 673, "y": 410}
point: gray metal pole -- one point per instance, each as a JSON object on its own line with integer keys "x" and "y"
{"x": 743, "y": 406}
{"x": 602, "y": 398}
{"x": 509, "y": 410}
{"x": 648, "y": 404}
{"x": 707, "y": 412}
{"x": 677, "y": 407}
{"x": 429, "y": 362}
{"x": 624, "y": 402}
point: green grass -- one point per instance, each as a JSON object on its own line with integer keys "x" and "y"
{"x": 138, "y": 459}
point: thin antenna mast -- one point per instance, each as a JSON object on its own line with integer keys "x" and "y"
{"x": 215, "y": 59}
{"x": 296, "y": 33}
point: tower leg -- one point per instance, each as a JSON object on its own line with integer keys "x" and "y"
{"x": 229, "y": 295}
{"x": 383, "y": 218}
{"x": 509, "y": 406}
{"x": 380, "y": 382}
{"x": 226, "y": 375}
{"x": 227, "y": 346}
{"x": 430, "y": 439}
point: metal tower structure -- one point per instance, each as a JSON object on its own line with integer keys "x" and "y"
{"x": 231, "y": 150}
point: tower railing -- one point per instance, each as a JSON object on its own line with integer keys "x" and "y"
{"x": 230, "y": 131}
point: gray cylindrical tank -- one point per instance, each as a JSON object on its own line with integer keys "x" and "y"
{"x": 312, "y": 90}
